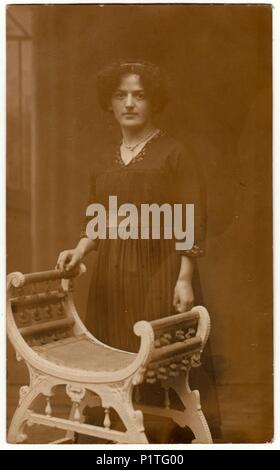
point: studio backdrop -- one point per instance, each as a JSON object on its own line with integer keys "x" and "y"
{"x": 218, "y": 62}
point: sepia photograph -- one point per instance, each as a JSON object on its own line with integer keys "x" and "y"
{"x": 139, "y": 301}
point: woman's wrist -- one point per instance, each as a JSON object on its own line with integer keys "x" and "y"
{"x": 186, "y": 270}
{"x": 184, "y": 278}
{"x": 80, "y": 252}
{"x": 84, "y": 246}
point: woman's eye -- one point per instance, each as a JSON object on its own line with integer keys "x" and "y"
{"x": 118, "y": 95}
{"x": 140, "y": 96}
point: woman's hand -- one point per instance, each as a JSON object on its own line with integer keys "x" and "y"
{"x": 183, "y": 299}
{"x": 68, "y": 259}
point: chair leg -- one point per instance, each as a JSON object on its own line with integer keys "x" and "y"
{"x": 71, "y": 435}
{"x": 27, "y": 396}
{"x": 133, "y": 421}
{"x": 193, "y": 415}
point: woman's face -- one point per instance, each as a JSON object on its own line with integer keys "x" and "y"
{"x": 130, "y": 105}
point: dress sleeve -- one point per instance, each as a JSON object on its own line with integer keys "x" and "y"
{"x": 189, "y": 189}
{"x": 91, "y": 199}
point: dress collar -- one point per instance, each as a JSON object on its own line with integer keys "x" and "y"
{"x": 140, "y": 155}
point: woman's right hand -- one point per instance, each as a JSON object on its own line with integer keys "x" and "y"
{"x": 68, "y": 259}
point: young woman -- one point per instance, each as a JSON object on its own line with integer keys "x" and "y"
{"x": 138, "y": 279}
{"x": 142, "y": 279}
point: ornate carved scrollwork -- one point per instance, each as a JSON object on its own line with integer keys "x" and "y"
{"x": 195, "y": 360}
{"x": 139, "y": 376}
{"x": 138, "y": 418}
{"x": 35, "y": 376}
{"x": 75, "y": 393}
{"x": 23, "y": 391}
{"x": 15, "y": 279}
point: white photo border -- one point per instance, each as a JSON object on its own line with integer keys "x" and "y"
{"x": 276, "y": 237}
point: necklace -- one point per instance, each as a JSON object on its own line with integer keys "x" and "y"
{"x": 134, "y": 146}
{"x": 141, "y": 154}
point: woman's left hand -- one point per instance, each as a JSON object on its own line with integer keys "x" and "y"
{"x": 183, "y": 299}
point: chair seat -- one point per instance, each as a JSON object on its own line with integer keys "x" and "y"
{"x": 84, "y": 354}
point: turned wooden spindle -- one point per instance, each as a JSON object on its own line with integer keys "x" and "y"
{"x": 157, "y": 343}
{"x": 190, "y": 333}
{"x": 151, "y": 376}
{"x": 168, "y": 336}
{"x": 173, "y": 370}
{"x": 162, "y": 376}
{"x": 48, "y": 286}
{"x": 166, "y": 398}
{"x": 179, "y": 335}
{"x": 162, "y": 373}
{"x": 60, "y": 309}
{"x": 184, "y": 364}
{"x": 37, "y": 315}
{"x": 77, "y": 414}
{"x": 48, "y": 311}
{"x": 107, "y": 421}
{"x": 48, "y": 409}
{"x": 151, "y": 381}
{"x": 164, "y": 341}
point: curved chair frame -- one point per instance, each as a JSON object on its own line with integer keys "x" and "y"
{"x": 169, "y": 363}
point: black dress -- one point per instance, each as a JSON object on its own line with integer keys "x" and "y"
{"x": 134, "y": 279}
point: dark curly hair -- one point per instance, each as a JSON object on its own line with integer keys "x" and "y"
{"x": 151, "y": 77}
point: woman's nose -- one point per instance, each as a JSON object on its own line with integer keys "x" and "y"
{"x": 129, "y": 101}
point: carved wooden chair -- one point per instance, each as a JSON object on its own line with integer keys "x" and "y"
{"x": 48, "y": 335}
